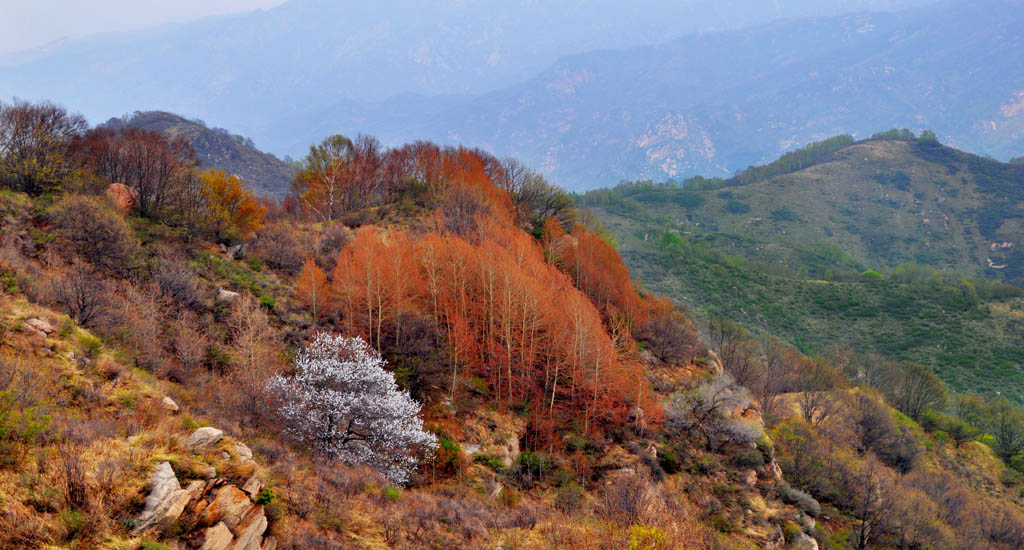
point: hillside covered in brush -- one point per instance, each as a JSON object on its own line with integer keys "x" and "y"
{"x": 217, "y": 148}
{"x": 894, "y": 245}
{"x": 423, "y": 347}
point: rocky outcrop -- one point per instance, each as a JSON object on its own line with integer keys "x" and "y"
{"x": 168, "y": 404}
{"x": 495, "y": 434}
{"x": 38, "y": 327}
{"x": 249, "y": 532}
{"x": 224, "y": 517}
{"x": 242, "y": 451}
{"x": 218, "y": 537}
{"x": 226, "y": 296}
{"x": 237, "y": 252}
{"x": 804, "y": 542}
{"x": 41, "y": 325}
{"x": 203, "y": 439}
{"x": 229, "y": 506}
{"x": 166, "y": 500}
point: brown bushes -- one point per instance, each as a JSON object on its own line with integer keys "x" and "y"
{"x": 630, "y": 500}
{"x": 91, "y": 229}
{"x": 670, "y": 337}
{"x": 83, "y": 293}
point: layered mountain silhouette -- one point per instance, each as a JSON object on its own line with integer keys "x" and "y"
{"x": 707, "y": 103}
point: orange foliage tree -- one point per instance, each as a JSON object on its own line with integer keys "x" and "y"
{"x": 313, "y": 290}
{"x": 234, "y": 207}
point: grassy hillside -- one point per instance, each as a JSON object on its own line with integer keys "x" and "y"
{"x": 504, "y": 383}
{"x": 784, "y": 251}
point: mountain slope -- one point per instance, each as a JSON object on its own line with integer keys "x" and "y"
{"x": 882, "y": 202}
{"x": 785, "y": 254}
{"x": 218, "y": 148}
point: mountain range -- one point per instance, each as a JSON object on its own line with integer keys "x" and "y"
{"x": 620, "y": 97}
{"x": 714, "y": 103}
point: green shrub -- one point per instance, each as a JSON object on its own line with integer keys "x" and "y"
{"x": 750, "y": 458}
{"x": 703, "y": 465}
{"x": 569, "y": 497}
{"x": 67, "y": 328}
{"x": 642, "y": 537}
{"x": 722, "y": 523}
{"x": 392, "y": 494}
{"x": 791, "y": 531}
{"x": 95, "y": 231}
{"x": 531, "y": 468}
{"x": 74, "y": 522}
{"x": 669, "y": 462}
{"x": 91, "y": 345}
{"x": 734, "y": 206}
{"x": 493, "y": 462}
{"x": 266, "y": 496}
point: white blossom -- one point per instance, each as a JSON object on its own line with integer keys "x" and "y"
{"x": 346, "y": 406}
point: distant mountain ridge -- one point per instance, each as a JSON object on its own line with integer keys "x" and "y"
{"x": 217, "y": 148}
{"x": 876, "y": 203}
{"x": 713, "y": 103}
{"x": 474, "y": 72}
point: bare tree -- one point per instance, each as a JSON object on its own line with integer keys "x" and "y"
{"x": 253, "y": 343}
{"x": 735, "y": 351}
{"x": 83, "y": 294}
{"x": 815, "y": 381}
{"x": 776, "y": 364}
{"x": 870, "y": 490}
{"x": 90, "y": 228}
{"x": 35, "y": 145}
{"x": 916, "y": 390}
{"x": 705, "y": 409}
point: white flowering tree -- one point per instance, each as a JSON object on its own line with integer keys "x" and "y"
{"x": 346, "y": 406}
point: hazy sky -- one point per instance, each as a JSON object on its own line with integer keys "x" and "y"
{"x": 27, "y": 24}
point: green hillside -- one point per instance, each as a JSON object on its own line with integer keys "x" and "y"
{"x": 882, "y": 246}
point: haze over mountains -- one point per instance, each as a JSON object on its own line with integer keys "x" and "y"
{"x": 634, "y": 102}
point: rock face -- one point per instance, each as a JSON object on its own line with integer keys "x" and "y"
{"x": 804, "y": 542}
{"x": 230, "y": 507}
{"x": 166, "y": 500}
{"x": 203, "y": 439}
{"x": 237, "y": 252}
{"x": 168, "y": 404}
{"x": 253, "y": 486}
{"x": 249, "y": 532}
{"x": 227, "y": 296}
{"x": 217, "y": 537}
{"x": 39, "y": 326}
{"x": 242, "y": 451}
{"x": 124, "y": 197}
